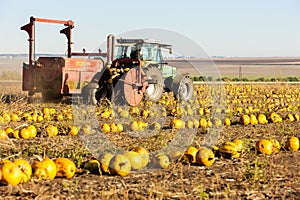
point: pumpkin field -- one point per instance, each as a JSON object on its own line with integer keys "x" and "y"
{"x": 232, "y": 141}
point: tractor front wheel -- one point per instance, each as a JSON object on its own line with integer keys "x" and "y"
{"x": 183, "y": 87}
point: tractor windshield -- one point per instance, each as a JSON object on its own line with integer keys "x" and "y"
{"x": 151, "y": 52}
{"x": 144, "y": 51}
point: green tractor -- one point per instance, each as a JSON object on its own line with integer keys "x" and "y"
{"x": 139, "y": 71}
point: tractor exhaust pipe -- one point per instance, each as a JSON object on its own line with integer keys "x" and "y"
{"x": 110, "y": 48}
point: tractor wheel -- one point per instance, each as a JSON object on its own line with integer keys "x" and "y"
{"x": 183, "y": 87}
{"x": 154, "y": 91}
{"x": 127, "y": 90}
{"x": 89, "y": 93}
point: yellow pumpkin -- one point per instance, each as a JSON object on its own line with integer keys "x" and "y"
{"x": 227, "y": 121}
{"x": 134, "y": 126}
{"x": 25, "y": 133}
{"x": 136, "y": 159}
{"x": 32, "y": 130}
{"x": 9, "y": 132}
{"x": 105, "y": 128}
{"x": 161, "y": 160}
{"x": 16, "y": 134}
{"x": 239, "y": 143}
{"x": 119, "y": 127}
{"x": 144, "y": 153}
{"x": 26, "y": 169}
{"x": 113, "y": 128}
{"x": 262, "y": 119}
{"x": 178, "y": 124}
{"x": 120, "y": 165}
{"x": 203, "y": 123}
{"x": 292, "y": 143}
{"x": 65, "y": 167}
{"x": 104, "y": 162}
{"x": 245, "y": 119}
{"x": 191, "y": 154}
{"x": 205, "y": 157}
{"x": 51, "y": 130}
{"x": 3, "y": 134}
{"x": 11, "y": 173}
{"x": 44, "y": 169}
{"x": 73, "y": 130}
{"x": 264, "y": 146}
{"x": 230, "y": 150}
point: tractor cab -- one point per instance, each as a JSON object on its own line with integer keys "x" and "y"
{"x": 149, "y": 52}
{"x": 146, "y": 50}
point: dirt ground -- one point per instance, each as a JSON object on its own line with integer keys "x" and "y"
{"x": 251, "y": 176}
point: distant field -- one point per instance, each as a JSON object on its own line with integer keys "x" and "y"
{"x": 14, "y": 64}
{"x": 251, "y": 68}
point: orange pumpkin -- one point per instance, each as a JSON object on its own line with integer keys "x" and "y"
{"x": 264, "y": 146}
{"x": 65, "y": 167}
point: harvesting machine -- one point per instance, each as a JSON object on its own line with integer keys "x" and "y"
{"x": 134, "y": 72}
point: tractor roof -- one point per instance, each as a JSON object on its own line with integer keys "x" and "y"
{"x": 130, "y": 42}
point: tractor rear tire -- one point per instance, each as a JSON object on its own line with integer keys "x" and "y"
{"x": 183, "y": 87}
{"x": 154, "y": 91}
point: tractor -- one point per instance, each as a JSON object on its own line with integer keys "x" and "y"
{"x": 137, "y": 71}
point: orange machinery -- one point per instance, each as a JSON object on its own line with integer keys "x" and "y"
{"x": 55, "y": 77}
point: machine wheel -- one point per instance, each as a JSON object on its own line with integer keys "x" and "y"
{"x": 183, "y": 87}
{"x": 127, "y": 90}
{"x": 89, "y": 93}
{"x": 154, "y": 91}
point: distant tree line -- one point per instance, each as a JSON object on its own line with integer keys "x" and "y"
{"x": 261, "y": 79}
{"x": 10, "y": 75}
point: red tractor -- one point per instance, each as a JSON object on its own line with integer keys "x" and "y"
{"x": 136, "y": 71}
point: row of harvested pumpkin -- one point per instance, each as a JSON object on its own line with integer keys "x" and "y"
{"x": 30, "y": 131}
{"x": 20, "y": 171}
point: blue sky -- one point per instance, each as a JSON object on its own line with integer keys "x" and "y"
{"x": 227, "y": 28}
